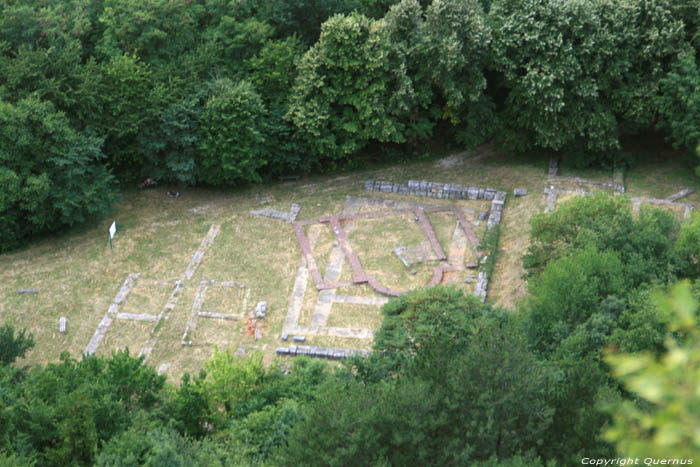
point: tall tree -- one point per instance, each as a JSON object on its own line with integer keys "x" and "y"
{"x": 53, "y": 176}
{"x": 231, "y": 134}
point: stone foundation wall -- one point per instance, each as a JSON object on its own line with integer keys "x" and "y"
{"x": 321, "y": 352}
{"x": 432, "y": 189}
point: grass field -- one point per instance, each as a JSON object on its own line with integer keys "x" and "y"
{"x": 78, "y": 276}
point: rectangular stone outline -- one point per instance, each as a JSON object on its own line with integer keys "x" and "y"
{"x": 199, "y": 302}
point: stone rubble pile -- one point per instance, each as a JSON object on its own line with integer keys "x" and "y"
{"x": 261, "y": 309}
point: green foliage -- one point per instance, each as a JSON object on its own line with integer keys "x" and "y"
{"x": 53, "y": 176}
{"x": 458, "y": 43}
{"x": 573, "y": 71}
{"x": 489, "y": 244}
{"x": 118, "y": 100}
{"x": 431, "y": 324}
{"x": 267, "y": 430}
{"x": 231, "y": 134}
{"x": 231, "y": 380}
{"x": 576, "y": 393}
{"x": 170, "y": 150}
{"x": 339, "y": 434}
{"x": 679, "y": 103}
{"x": 340, "y": 98}
{"x": 156, "y": 31}
{"x": 569, "y": 292}
{"x": 490, "y": 399}
{"x": 669, "y": 427}
{"x": 153, "y": 445}
{"x": 191, "y": 406}
{"x": 273, "y": 69}
{"x": 63, "y": 412}
{"x": 644, "y": 245}
{"x": 496, "y": 396}
{"x": 12, "y": 347}
{"x": 273, "y": 72}
{"x": 304, "y": 17}
{"x": 642, "y": 325}
{"x": 687, "y": 249}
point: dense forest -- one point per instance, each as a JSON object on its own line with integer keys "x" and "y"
{"x": 224, "y": 92}
{"x": 602, "y": 358}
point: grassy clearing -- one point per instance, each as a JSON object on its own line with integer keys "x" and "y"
{"x": 339, "y": 342}
{"x": 659, "y": 171}
{"x": 78, "y": 275}
{"x": 374, "y": 241}
{"x": 355, "y": 316}
{"x": 566, "y": 169}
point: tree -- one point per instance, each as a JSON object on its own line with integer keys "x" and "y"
{"x": 170, "y": 150}
{"x": 569, "y": 291}
{"x": 573, "y": 71}
{"x": 12, "y": 347}
{"x": 191, "y": 406}
{"x": 644, "y": 245}
{"x": 231, "y": 380}
{"x": 679, "y": 103}
{"x": 53, "y": 176}
{"x": 495, "y": 397}
{"x": 120, "y": 101}
{"x": 231, "y": 134}
{"x": 458, "y": 43}
{"x": 430, "y": 325}
{"x": 340, "y": 99}
{"x": 669, "y": 424}
{"x": 687, "y": 249}
{"x": 273, "y": 72}
{"x": 340, "y": 434}
{"x": 157, "y": 31}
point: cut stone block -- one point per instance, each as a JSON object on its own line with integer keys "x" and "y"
{"x": 518, "y": 192}
{"x": 271, "y": 213}
{"x": 681, "y": 194}
{"x": 261, "y": 309}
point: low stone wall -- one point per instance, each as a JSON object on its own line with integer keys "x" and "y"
{"x": 321, "y": 352}
{"x": 432, "y": 189}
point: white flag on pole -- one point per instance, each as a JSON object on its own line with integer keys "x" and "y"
{"x": 112, "y": 230}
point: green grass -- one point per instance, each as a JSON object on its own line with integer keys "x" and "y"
{"x": 78, "y": 276}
